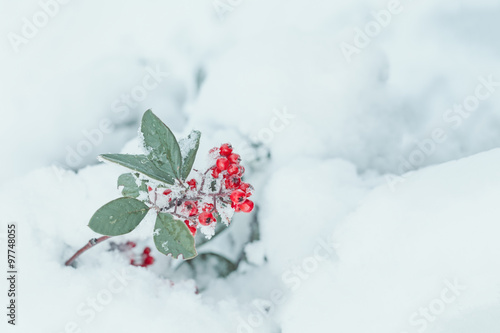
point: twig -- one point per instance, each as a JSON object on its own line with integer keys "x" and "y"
{"x": 90, "y": 244}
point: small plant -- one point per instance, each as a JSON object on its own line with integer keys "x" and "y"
{"x": 159, "y": 182}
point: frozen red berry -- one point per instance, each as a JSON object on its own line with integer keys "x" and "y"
{"x": 206, "y": 218}
{"x": 222, "y": 164}
{"x": 234, "y": 158}
{"x": 192, "y": 184}
{"x": 233, "y": 169}
{"x": 247, "y": 188}
{"x": 246, "y": 206}
{"x": 238, "y": 197}
{"x": 226, "y": 149}
{"x": 241, "y": 170}
{"x": 167, "y": 192}
{"x": 215, "y": 173}
{"x": 148, "y": 261}
{"x": 149, "y": 189}
{"x": 191, "y": 208}
{"x": 191, "y": 228}
{"x": 131, "y": 244}
{"x": 147, "y": 250}
{"x": 232, "y": 182}
{"x": 207, "y": 207}
{"x": 236, "y": 207}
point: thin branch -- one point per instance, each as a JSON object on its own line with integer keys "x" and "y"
{"x": 90, "y": 244}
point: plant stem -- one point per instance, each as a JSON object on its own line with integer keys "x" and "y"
{"x": 90, "y": 244}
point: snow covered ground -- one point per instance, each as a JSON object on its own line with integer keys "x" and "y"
{"x": 369, "y": 129}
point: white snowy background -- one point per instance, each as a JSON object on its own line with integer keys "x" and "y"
{"x": 376, "y": 169}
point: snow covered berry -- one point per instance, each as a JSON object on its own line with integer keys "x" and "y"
{"x": 225, "y": 149}
{"x": 222, "y": 164}
{"x": 192, "y": 184}
{"x": 191, "y": 228}
{"x": 207, "y": 207}
{"x": 206, "y": 218}
{"x": 191, "y": 208}
{"x": 233, "y": 169}
{"x": 215, "y": 173}
{"x": 246, "y": 206}
{"x": 148, "y": 261}
{"x": 234, "y": 158}
{"x": 232, "y": 182}
{"x": 237, "y": 197}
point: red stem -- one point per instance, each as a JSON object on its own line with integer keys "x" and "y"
{"x": 90, "y": 244}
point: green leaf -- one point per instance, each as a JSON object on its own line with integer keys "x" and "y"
{"x": 142, "y": 164}
{"x": 160, "y": 142}
{"x": 130, "y": 187}
{"x": 189, "y": 147}
{"x": 118, "y": 217}
{"x": 173, "y": 237}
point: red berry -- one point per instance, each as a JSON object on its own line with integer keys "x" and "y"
{"x": 232, "y": 182}
{"x": 234, "y": 158}
{"x": 241, "y": 171}
{"x": 206, "y": 218}
{"x": 246, "y": 206}
{"x": 222, "y": 164}
{"x": 192, "y": 229}
{"x": 236, "y": 207}
{"x": 192, "y": 184}
{"x": 167, "y": 192}
{"x": 132, "y": 262}
{"x": 148, "y": 261}
{"x": 147, "y": 250}
{"x": 237, "y": 197}
{"x": 208, "y": 207}
{"x": 149, "y": 189}
{"x": 233, "y": 169}
{"x": 247, "y": 188}
{"x": 215, "y": 173}
{"x": 191, "y": 207}
{"x": 226, "y": 149}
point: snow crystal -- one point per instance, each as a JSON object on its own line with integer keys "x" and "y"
{"x": 208, "y": 230}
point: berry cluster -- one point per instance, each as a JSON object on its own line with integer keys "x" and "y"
{"x": 147, "y": 259}
{"x": 228, "y": 165}
{"x": 216, "y": 193}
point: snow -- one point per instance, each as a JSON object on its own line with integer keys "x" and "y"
{"x": 375, "y": 177}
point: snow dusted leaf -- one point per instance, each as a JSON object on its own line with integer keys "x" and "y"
{"x": 118, "y": 217}
{"x": 189, "y": 148}
{"x": 142, "y": 164}
{"x": 131, "y": 187}
{"x": 173, "y": 237}
{"x": 161, "y": 143}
